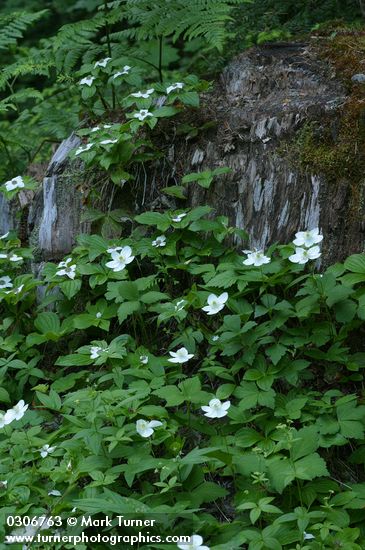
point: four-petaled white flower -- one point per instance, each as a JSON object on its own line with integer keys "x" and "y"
{"x": 180, "y": 356}
{"x": 308, "y": 238}
{"x": 145, "y": 94}
{"x": 95, "y": 129}
{"x": 179, "y": 217}
{"x": 196, "y": 543}
{"x": 3, "y": 256}
{"x": 308, "y": 536}
{"x": 216, "y": 409}
{"x": 120, "y": 259}
{"x": 180, "y": 305}
{"x": 215, "y": 338}
{"x": 98, "y": 315}
{"x": 15, "y": 183}
{"x": 88, "y": 80}
{"x": 159, "y": 241}
{"x": 16, "y": 413}
{"x": 256, "y": 258}
{"x": 67, "y": 269}
{"x": 5, "y": 282}
{"x": 215, "y": 303}
{"x": 83, "y": 148}
{"x": 46, "y": 450}
{"x": 125, "y": 70}
{"x": 142, "y": 114}
{"x": 145, "y": 429}
{"x": 102, "y": 62}
{"x": 107, "y": 141}
{"x": 15, "y": 258}
{"x": 303, "y": 255}
{"x": 4, "y": 236}
{"x": 144, "y": 359}
{"x": 54, "y": 493}
{"x": 4, "y": 483}
{"x": 173, "y": 87}
{"x": 95, "y": 352}
{"x": 107, "y": 125}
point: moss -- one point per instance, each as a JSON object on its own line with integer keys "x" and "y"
{"x": 332, "y": 147}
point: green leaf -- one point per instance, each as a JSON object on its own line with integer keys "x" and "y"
{"x": 70, "y": 288}
{"x": 127, "y": 309}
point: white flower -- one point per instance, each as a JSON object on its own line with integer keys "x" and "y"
{"x": 179, "y": 217}
{"x": 120, "y": 259}
{"x": 303, "y": 255}
{"x": 98, "y": 315}
{"x": 54, "y": 493}
{"x": 83, "y": 148}
{"x": 15, "y": 258}
{"x": 125, "y": 70}
{"x": 216, "y": 408}
{"x": 15, "y": 183}
{"x": 145, "y": 429}
{"x": 173, "y": 87}
{"x": 145, "y": 94}
{"x": 88, "y": 80}
{"x": 16, "y": 413}
{"x": 4, "y": 482}
{"x": 115, "y": 249}
{"x": 142, "y": 114}
{"x": 159, "y": 241}
{"x": 102, "y": 62}
{"x": 196, "y": 542}
{"x": 256, "y": 258}
{"x": 4, "y": 236}
{"x": 46, "y": 450}
{"x": 143, "y": 359}
{"x": 107, "y": 141}
{"x": 180, "y": 356}
{"x": 308, "y": 536}
{"x": 215, "y": 303}
{"x": 68, "y": 270}
{"x": 95, "y": 129}
{"x": 215, "y": 338}
{"x": 107, "y": 125}
{"x": 95, "y": 352}
{"x": 180, "y": 305}
{"x": 308, "y": 238}
{"x": 5, "y": 282}
{"x": 3, "y": 256}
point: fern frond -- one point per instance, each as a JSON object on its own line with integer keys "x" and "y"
{"x": 13, "y": 25}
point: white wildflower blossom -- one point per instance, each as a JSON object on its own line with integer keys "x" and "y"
{"x": 108, "y": 141}
{"x": 16, "y": 413}
{"x": 144, "y": 95}
{"x": 308, "y": 536}
{"x": 308, "y": 238}
{"x": 144, "y": 359}
{"x": 88, "y": 80}
{"x": 303, "y": 255}
{"x": 46, "y": 450}
{"x": 5, "y": 282}
{"x": 216, "y": 409}
{"x": 159, "y": 241}
{"x": 196, "y": 543}
{"x": 15, "y": 258}
{"x": 215, "y": 303}
{"x": 180, "y": 356}
{"x": 15, "y": 183}
{"x": 179, "y": 217}
{"x": 120, "y": 259}
{"x": 142, "y": 114}
{"x": 145, "y": 428}
{"x": 102, "y": 62}
{"x": 4, "y": 236}
{"x": 95, "y": 352}
{"x": 255, "y": 258}
{"x": 54, "y": 493}
{"x": 125, "y": 70}
{"x": 173, "y": 87}
{"x": 83, "y": 148}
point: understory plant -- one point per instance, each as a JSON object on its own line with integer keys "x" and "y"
{"x": 168, "y": 375}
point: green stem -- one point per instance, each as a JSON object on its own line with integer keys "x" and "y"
{"x": 107, "y": 32}
{"x": 160, "y": 59}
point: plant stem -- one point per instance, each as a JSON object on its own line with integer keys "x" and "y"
{"x": 160, "y": 59}
{"x": 107, "y": 32}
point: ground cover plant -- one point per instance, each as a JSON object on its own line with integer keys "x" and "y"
{"x": 165, "y": 372}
